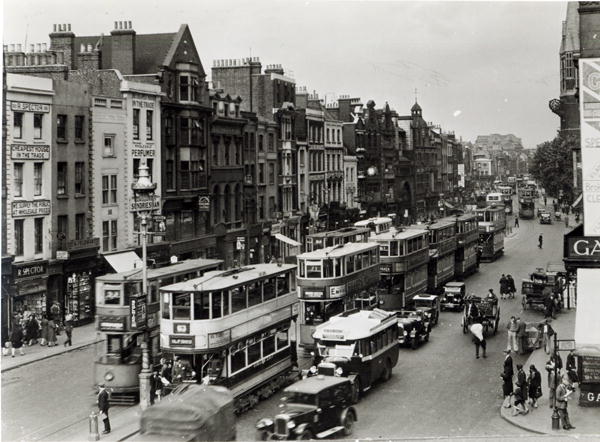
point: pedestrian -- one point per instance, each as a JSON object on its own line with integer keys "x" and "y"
{"x": 32, "y": 330}
{"x": 548, "y": 336}
{"x": 155, "y": 386}
{"x": 550, "y": 367}
{"x": 69, "y": 330}
{"x": 55, "y": 312}
{"x": 522, "y": 383}
{"x": 540, "y": 241}
{"x": 519, "y": 403}
{"x": 491, "y": 296}
{"x": 512, "y": 327}
{"x": 535, "y": 385}
{"x": 44, "y": 330}
{"x": 507, "y": 388}
{"x": 521, "y": 335}
{"x": 478, "y": 339}
{"x": 563, "y": 394}
{"x": 503, "y": 286}
{"x": 52, "y": 341}
{"x": 16, "y": 339}
{"x": 508, "y": 364}
{"x": 512, "y": 289}
{"x": 516, "y": 221}
{"x": 549, "y": 307}
{"x": 103, "y": 407}
{"x": 571, "y": 367}
{"x": 567, "y": 221}
{"x": 545, "y": 201}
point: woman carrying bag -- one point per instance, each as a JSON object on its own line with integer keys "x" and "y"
{"x": 535, "y": 385}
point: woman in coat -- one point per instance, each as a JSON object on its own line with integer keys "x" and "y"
{"x": 507, "y": 387}
{"x": 32, "y": 330}
{"x": 44, "y": 331}
{"x": 535, "y": 385}
{"x": 16, "y": 339}
{"x": 51, "y": 333}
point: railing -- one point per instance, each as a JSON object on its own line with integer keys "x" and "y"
{"x": 286, "y": 179}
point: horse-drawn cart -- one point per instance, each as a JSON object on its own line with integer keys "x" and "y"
{"x": 482, "y": 310}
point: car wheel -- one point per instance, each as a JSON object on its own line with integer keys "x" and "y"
{"x": 306, "y": 435}
{"x": 355, "y": 394}
{"x": 348, "y": 423}
{"x": 387, "y": 371}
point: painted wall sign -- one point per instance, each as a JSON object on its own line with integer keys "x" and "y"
{"x": 29, "y": 107}
{"x": 30, "y": 151}
{"x": 143, "y": 104}
{"x": 30, "y": 208}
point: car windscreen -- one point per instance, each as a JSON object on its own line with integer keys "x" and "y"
{"x": 301, "y": 398}
{"x": 343, "y": 349}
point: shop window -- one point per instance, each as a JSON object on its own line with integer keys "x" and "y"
{"x": 18, "y": 125}
{"x": 136, "y": 124}
{"x": 149, "y": 124}
{"x": 18, "y": 179}
{"x": 61, "y": 127}
{"x": 19, "y": 239}
{"x": 181, "y": 306}
{"x": 37, "y": 126}
{"x": 201, "y": 305}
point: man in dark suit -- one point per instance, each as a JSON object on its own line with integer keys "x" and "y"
{"x": 508, "y": 364}
{"x": 103, "y": 407}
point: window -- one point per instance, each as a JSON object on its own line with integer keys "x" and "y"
{"x": 261, "y": 207}
{"x": 79, "y": 178}
{"x": 169, "y": 131}
{"x": 150, "y": 166}
{"x": 105, "y": 235}
{"x": 261, "y": 173}
{"x": 149, "y": 123}
{"x": 254, "y": 293}
{"x": 109, "y": 146}
{"x": 197, "y": 132}
{"x": 38, "y": 234}
{"x": 181, "y": 305}
{"x": 37, "y": 126}
{"x": 112, "y": 296}
{"x": 217, "y": 304}
{"x": 79, "y": 121}
{"x": 238, "y": 299}
{"x": 269, "y": 289}
{"x": 136, "y": 124}
{"x": 271, "y": 173}
{"x": 271, "y": 142}
{"x": 166, "y": 306}
{"x": 37, "y": 178}
{"x": 261, "y": 143}
{"x": 61, "y": 178}
{"x": 201, "y": 305}
{"x": 61, "y": 127}
{"x": 18, "y": 125}
{"x": 80, "y": 226}
{"x": 109, "y": 189}
{"x": 19, "y": 237}
{"x": 18, "y": 179}
{"x": 253, "y": 353}
{"x": 238, "y": 360}
{"x": 100, "y": 102}
{"x": 188, "y": 88}
{"x": 116, "y": 104}
{"x": 62, "y": 227}
{"x": 170, "y": 174}
{"x": 113, "y": 234}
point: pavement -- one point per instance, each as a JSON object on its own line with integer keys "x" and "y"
{"x": 82, "y": 337}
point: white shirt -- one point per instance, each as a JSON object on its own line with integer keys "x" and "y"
{"x": 477, "y": 330}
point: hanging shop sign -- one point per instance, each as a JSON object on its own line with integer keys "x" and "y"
{"x": 143, "y": 204}
{"x": 30, "y": 208}
{"x": 143, "y": 150}
{"x": 30, "y": 151}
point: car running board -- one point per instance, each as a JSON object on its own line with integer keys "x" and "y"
{"x": 329, "y": 432}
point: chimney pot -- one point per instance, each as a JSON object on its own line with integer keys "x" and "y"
{"x": 12, "y": 48}
{"x": 64, "y": 27}
{"x": 89, "y": 48}
{"x": 54, "y": 27}
{"x": 44, "y": 47}
{"x": 129, "y": 24}
{"x": 19, "y": 47}
{"x": 120, "y": 25}
{"x": 31, "y": 47}
{"x": 39, "y": 47}
{"x": 82, "y": 48}
{"x": 69, "y": 27}
{"x": 116, "y": 25}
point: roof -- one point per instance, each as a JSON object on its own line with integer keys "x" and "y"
{"x": 395, "y": 234}
{"x": 181, "y": 266}
{"x": 315, "y": 384}
{"x": 416, "y": 107}
{"x": 570, "y": 37}
{"x": 345, "y": 231}
{"x": 375, "y": 220}
{"x": 221, "y": 279}
{"x": 441, "y": 223}
{"x": 354, "y": 324}
{"x": 340, "y": 250}
{"x": 455, "y": 284}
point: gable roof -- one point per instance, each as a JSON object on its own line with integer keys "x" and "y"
{"x": 151, "y": 51}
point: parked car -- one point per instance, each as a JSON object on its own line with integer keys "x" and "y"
{"x": 545, "y": 218}
{"x": 429, "y": 305}
{"x": 312, "y": 408}
{"x": 413, "y": 328}
{"x": 454, "y": 296}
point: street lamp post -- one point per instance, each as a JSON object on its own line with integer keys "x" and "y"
{"x": 143, "y": 191}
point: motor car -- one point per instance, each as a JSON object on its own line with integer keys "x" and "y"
{"x": 545, "y": 218}
{"x": 413, "y": 328}
{"x": 429, "y": 305}
{"x": 454, "y": 296}
{"x": 312, "y": 408}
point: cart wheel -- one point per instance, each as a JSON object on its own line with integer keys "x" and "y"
{"x": 464, "y": 326}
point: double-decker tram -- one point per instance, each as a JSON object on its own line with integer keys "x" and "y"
{"x": 232, "y": 328}
{"x": 526, "y": 203}
{"x": 125, "y": 320}
{"x": 336, "y": 237}
{"x": 377, "y": 225}
{"x": 329, "y": 281}
{"x": 403, "y": 259}
{"x": 467, "y": 241}
{"x": 492, "y": 224}
{"x": 442, "y": 245}
{"x": 359, "y": 344}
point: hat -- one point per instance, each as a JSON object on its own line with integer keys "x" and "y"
{"x": 507, "y": 351}
{"x": 102, "y": 386}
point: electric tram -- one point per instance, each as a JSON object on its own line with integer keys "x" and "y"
{"x": 467, "y": 241}
{"x": 442, "y": 245}
{"x": 526, "y": 203}
{"x": 125, "y": 320}
{"x": 336, "y": 237}
{"x": 377, "y": 225}
{"x": 492, "y": 224}
{"x": 404, "y": 256}
{"x": 329, "y": 281}
{"x": 233, "y": 328}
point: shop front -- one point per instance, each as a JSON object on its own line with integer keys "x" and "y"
{"x": 30, "y": 280}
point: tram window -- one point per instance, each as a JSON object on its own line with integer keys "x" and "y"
{"x": 349, "y": 264}
{"x": 238, "y": 360}
{"x": 238, "y": 299}
{"x": 113, "y": 344}
{"x": 283, "y": 284}
{"x": 384, "y": 249}
{"x": 282, "y": 340}
{"x": 254, "y": 293}
{"x": 357, "y": 262}
{"x": 268, "y": 346}
{"x": 327, "y": 268}
{"x": 313, "y": 270}
{"x": 153, "y": 294}
{"x": 337, "y": 267}
{"x": 112, "y": 297}
{"x": 132, "y": 289}
{"x": 366, "y": 258}
{"x": 302, "y": 268}
{"x": 217, "y": 303}
{"x": 269, "y": 289}
{"x": 253, "y": 353}
{"x": 394, "y": 248}
{"x": 181, "y": 306}
{"x": 166, "y": 304}
{"x": 201, "y": 305}
{"x": 166, "y": 281}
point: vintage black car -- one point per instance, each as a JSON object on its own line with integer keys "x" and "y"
{"x": 312, "y": 408}
{"x": 429, "y": 305}
{"x": 454, "y": 296}
{"x": 413, "y": 328}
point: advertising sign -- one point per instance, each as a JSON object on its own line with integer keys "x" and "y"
{"x": 145, "y": 204}
{"x": 140, "y": 150}
{"x": 204, "y": 203}
{"x": 29, "y": 107}
{"x": 337, "y": 291}
{"x": 30, "y": 151}
{"x": 590, "y": 369}
{"x": 583, "y": 248}
{"x": 30, "y": 208}
{"x": 30, "y": 270}
{"x": 219, "y": 339}
{"x": 111, "y": 323}
{"x": 138, "y": 314}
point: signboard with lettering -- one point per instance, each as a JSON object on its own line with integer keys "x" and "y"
{"x": 589, "y": 370}
{"x": 181, "y": 341}
{"x": 30, "y": 208}
{"x": 111, "y": 323}
{"x": 589, "y": 397}
{"x": 204, "y": 203}
{"x": 142, "y": 104}
{"x": 311, "y": 294}
{"x": 30, "y": 270}
{"x": 333, "y": 334}
{"x": 62, "y": 255}
{"x": 30, "y": 151}
{"x": 219, "y": 339}
{"x": 143, "y": 150}
{"x": 145, "y": 204}
{"x": 337, "y": 291}
{"x": 583, "y": 248}
{"x": 29, "y": 107}
{"x": 137, "y": 311}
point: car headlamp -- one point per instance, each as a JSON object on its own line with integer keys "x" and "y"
{"x": 339, "y": 371}
{"x": 313, "y": 369}
{"x": 109, "y": 376}
{"x": 291, "y": 424}
{"x": 263, "y": 423}
{"x": 405, "y": 333}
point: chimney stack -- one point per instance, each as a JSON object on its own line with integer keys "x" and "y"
{"x": 123, "y": 47}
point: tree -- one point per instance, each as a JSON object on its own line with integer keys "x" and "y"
{"x": 552, "y": 165}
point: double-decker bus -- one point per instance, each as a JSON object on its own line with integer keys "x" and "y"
{"x": 329, "y": 281}
{"x": 336, "y": 237}
{"x": 362, "y": 343}
{"x": 125, "y": 320}
{"x": 467, "y": 235}
{"x": 442, "y": 245}
{"x": 492, "y": 224}
{"x": 232, "y": 328}
{"x": 403, "y": 270}
{"x": 377, "y": 225}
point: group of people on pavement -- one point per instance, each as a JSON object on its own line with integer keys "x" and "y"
{"x": 507, "y": 287}
{"x": 517, "y": 335}
{"x": 27, "y": 330}
{"x": 520, "y": 389}
{"x": 562, "y": 385}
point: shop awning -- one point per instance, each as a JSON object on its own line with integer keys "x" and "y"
{"x": 124, "y": 261}
{"x": 577, "y": 201}
{"x": 287, "y": 240}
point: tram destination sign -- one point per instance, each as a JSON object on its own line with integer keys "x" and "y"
{"x": 30, "y": 151}
{"x": 181, "y": 341}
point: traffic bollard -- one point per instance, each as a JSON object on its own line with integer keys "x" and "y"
{"x": 93, "y": 419}
{"x": 555, "y": 420}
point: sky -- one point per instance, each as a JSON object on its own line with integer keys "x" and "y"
{"x": 475, "y": 67}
